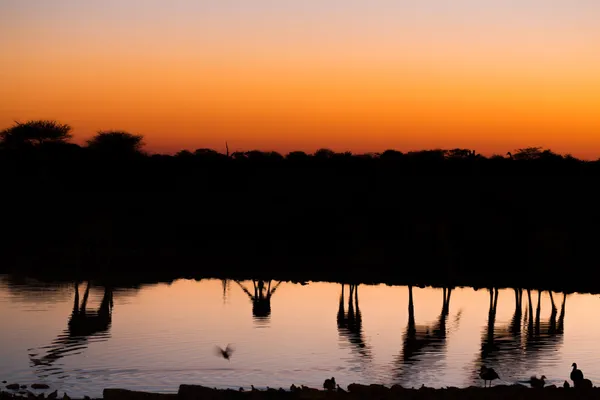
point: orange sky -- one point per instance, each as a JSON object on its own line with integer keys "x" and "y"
{"x": 282, "y": 76}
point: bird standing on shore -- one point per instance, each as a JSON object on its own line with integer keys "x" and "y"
{"x": 585, "y": 384}
{"x": 329, "y": 384}
{"x": 576, "y": 374}
{"x": 226, "y": 354}
{"x": 488, "y": 374}
{"x": 537, "y": 382}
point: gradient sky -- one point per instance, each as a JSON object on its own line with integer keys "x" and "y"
{"x": 281, "y": 75}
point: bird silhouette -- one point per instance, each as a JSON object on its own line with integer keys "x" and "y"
{"x": 584, "y": 384}
{"x": 488, "y": 374}
{"x": 576, "y": 374}
{"x": 537, "y": 382}
{"x": 53, "y": 395}
{"x": 329, "y": 384}
{"x": 566, "y": 385}
{"x": 226, "y": 354}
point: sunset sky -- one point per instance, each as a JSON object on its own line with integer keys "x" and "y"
{"x": 287, "y": 75}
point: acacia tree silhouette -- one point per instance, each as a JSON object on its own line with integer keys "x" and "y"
{"x": 35, "y": 133}
{"x": 117, "y": 143}
{"x": 528, "y": 153}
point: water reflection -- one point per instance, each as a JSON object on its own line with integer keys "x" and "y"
{"x": 387, "y": 335}
{"x": 423, "y": 343}
{"x": 28, "y": 290}
{"x": 506, "y": 346}
{"x": 83, "y": 325}
{"x": 261, "y": 299}
{"x": 544, "y": 335}
{"x": 349, "y": 323}
{"x": 225, "y": 283}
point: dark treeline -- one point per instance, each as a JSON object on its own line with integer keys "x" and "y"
{"x": 527, "y": 219}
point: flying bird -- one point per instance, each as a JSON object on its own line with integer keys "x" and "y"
{"x": 226, "y": 354}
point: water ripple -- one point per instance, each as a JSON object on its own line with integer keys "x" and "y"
{"x": 83, "y": 338}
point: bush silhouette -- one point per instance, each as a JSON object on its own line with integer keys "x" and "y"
{"x": 116, "y": 143}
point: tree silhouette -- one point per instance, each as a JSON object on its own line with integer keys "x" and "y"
{"x": 391, "y": 155}
{"x": 324, "y": 154}
{"x": 263, "y": 156}
{"x": 209, "y": 154}
{"x": 459, "y": 154}
{"x": 427, "y": 156}
{"x": 549, "y": 155}
{"x": 297, "y": 156}
{"x": 35, "y": 133}
{"x": 119, "y": 143}
{"x": 186, "y": 154}
{"x": 528, "y": 153}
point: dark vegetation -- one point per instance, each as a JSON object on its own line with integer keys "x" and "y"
{"x": 447, "y": 217}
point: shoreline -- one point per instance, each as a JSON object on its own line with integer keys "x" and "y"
{"x": 354, "y": 391}
{"x": 127, "y": 280}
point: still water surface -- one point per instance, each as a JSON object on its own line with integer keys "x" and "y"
{"x": 157, "y": 337}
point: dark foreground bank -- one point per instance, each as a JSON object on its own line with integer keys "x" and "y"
{"x": 355, "y": 391}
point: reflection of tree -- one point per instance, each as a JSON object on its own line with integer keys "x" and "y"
{"x": 261, "y": 299}
{"x": 420, "y": 340}
{"x": 350, "y": 323}
{"x": 28, "y": 290}
{"x": 83, "y": 325}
